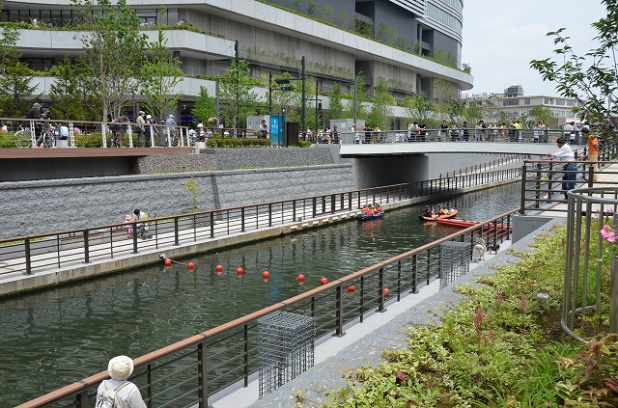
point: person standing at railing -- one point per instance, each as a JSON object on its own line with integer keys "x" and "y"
{"x": 465, "y": 132}
{"x": 593, "y": 151}
{"x": 565, "y": 153}
{"x": 170, "y": 123}
{"x": 118, "y": 390}
{"x": 140, "y": 122}
{"x": 443, "y": 129}
{"x": 142, "y": 227}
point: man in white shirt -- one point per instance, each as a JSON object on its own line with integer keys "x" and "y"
{"x": 565, "y": 153}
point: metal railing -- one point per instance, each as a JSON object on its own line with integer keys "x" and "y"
{"x": 43, "y": 252}
{"x": 189, "y": 372}
{"x": 451, "y": 135}
{"x": 590, "y": 298}
{"x": 76, "y": 133}
{"x": 542, "y": 180}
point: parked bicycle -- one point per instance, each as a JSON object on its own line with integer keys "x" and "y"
{"x": 172, "y": 141}
{"x": 23, "y": 139}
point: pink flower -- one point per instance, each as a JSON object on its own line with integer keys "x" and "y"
{"x": 608, "y": 235}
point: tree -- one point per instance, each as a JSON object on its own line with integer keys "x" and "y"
{"x": 72, "y": 94}
{"x": 115, "y": 51}
{"x": 235, "y": 89}
{"x": 205, "y": 106}
{"x": 543, "y": 113}
{"x": 15, "y": 76}
{"x": 473, "y": 112}
{"x": 361, "y": 106}
{"x": 283, "y": 97}
{"x": 591, "y": 86}
{"x": 160, "y": 75}
{"x": 381, "y": 111}
{"x": 16, "y": 88}
{"x": 455, "y": 110}
{"x": 445, "y": 93}
{"x": 335, "y": 103}
{"x": 418, "y": 107}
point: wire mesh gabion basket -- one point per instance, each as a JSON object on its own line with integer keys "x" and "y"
{"x": 454, "y": 261}
{"x": 285, "y": 348}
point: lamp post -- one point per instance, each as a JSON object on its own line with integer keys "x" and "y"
{"x": 317, "y": 112}
{"x": 303, "y": 96}
{"x": 270, "y": 93}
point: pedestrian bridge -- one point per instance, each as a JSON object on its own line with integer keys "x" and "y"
{"x": 385, "y": 158}
{"x": 418, "y": 148}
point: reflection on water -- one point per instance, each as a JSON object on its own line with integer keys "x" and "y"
{"x": 57, "y": 337}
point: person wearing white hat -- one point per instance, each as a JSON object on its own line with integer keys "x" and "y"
{"x": 171, "y": 127}
{"x": 140, "y": 122}
{"x": 118, "y": 390}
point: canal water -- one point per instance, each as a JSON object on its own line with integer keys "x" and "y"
{"x": 53, "y": 338}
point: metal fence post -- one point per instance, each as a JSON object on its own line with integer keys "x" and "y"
{"x": 613, "y": 297}
{"x": 338, "y": 312}
{"x": 28, "y": 255}
{"x": 203, "y": 374}
{"x": 381, "y": 307}
{"x": 134, "y": 226}
{"x": 86, "y": 247}
{"x": 522, "y": 204}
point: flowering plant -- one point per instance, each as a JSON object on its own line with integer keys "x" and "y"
{"x": 609, "y": 235}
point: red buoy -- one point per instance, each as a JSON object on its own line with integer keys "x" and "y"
{"x": 219, "y": 268}
{"x": 323, "y": 281}
{"x": 190, "y": 266}
{"x": 266, "y": 274}
{"x": 301, "y": 277}
{"x": 351, "y": 288}
{"x": 168, "y": 262}
{"x": 240, "y": 270}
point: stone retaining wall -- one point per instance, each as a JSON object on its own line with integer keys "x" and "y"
{"x": 37, "y": 207}
{"x": 231, "y": 159}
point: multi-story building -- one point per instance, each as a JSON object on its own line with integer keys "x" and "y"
{"x": 416, "y": 42}
{"x": 514, "y": 104}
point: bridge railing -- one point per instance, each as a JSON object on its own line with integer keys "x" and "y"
{"x": 89, "y": 134}
{"x": 451, "y": 135}
{"x": 44, "y": 252}
{"x": 542, "y": 180}
{"x": 191, "y": 371}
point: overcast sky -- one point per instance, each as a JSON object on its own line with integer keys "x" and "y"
{"x": 501, "y": 37}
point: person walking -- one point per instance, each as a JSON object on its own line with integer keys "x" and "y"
{"x": 170, "y": 124}
{"x": 140, "y": 123}
{"x": 565, "y": 153}
{"x": 593, "y": 151}
{"x": 118, "y": 390}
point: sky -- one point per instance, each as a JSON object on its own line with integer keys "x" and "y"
{"x": 501, "y": 37}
